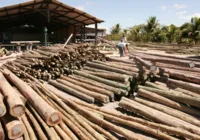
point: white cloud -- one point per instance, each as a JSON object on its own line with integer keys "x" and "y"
{"x": 163, "y": 7}
{"x": 179, "y": 6}
{"x": 82, "y": 8}
{"x": 188, "y": 17}
{"x": 181, "y": 13}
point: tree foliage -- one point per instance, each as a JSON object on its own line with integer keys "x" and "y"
{"x": 152, "y": 31}
{"x": 116, "y": 29}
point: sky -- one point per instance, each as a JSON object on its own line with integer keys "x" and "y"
{"x": 132, "y": 12}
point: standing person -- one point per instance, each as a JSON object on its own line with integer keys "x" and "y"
{"x": 124, "y": 38}
{"x": 121, "y": 47}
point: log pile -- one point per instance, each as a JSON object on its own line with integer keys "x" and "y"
{"x": 153, "y": 104}
{"x": 50, "y": 62}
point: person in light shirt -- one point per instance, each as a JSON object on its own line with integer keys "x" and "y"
{"x": 121, "y": 46}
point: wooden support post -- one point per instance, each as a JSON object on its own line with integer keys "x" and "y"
{"x": 84, "y": 34}
{"x": 96, "y": 33}
{"x": 81, "y": 34}
{"x": 74, "y": 34}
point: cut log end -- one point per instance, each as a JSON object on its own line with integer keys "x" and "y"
{"x": 15, "y": 129}
{"x": 54, "y": 119}
{"x": 17, "y": 111}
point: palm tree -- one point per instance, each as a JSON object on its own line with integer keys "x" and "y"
{"x": 116, "y": 29}
{"x": 152, "y": 24}
{"x": 191, "y": 29}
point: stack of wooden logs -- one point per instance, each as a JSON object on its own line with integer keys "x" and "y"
{"x": 50, "y": 62}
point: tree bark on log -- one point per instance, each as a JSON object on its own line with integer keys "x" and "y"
{"x": 97, "y": 84}
{"x": 111, "y": 76}
{"x": 104, "y": 67}
{"x": 170, "y": 111}
{"x": 89, "y": 87}
{"x": 179, "y": 97}
{"x": 72, "y": 91}
{"x": 168, "y": 102}
{"x": 157, "y": 116}
{"x": 45, "y": 126}
{"x": 166, "y": 129}
{"x": 126, "y": 133}
{"x": 16, "y": 106}
{"x": 138, "y": 126}
{"x": 2, "y": 106}
{"x": 50, "y": 115}
{"x": 65, "y": 128}
{"x": 185, "y": 85}
{"x": 147, "y": 64}
{"x": 28, "y": 127}
{"x": 36, "y": 125}
{"x": 2, "y": 134}
{"x": 102, "y": 80}
{"x": 183, "y": 76}
{"x": 61, "y": 133}
{"x": 102, "y": 98}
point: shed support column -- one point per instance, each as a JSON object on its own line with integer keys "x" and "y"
{"x": 96, "y": 33}
{"x": 84, "y": 32}
{"x": 74, "y": 34}
{"x": 81, "y": 34}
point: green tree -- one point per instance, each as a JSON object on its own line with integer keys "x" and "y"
{"x": 191, "y": 30}
{"x": 116, "y": 29}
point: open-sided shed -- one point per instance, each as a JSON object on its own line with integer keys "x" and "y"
{"x": 57, "y": 17}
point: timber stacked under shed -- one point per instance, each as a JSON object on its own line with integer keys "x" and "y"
{"x": 76, "y": 92}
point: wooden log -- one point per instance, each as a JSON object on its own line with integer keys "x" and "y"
{"x": 147, "y": 64}
{"x": 111, "y": 76}
{"x": 131, "y": 68}
{"x": 102, "y": 80}
{"x": 173, "y": 112}
{"x": 44, "y": 125}
{"x": 119, "y": 60}
{"x": 179, "y": 97}
{"x": 72, "y": 91}
{"x": 163, "y": 65}
{"x": 28, "y": 127}
{"x": 138, "y": 126}
{"x": 102, "y": 98}
{"x": 53, "y": 131}
{"x": 24, "y": 100}
{"x": 126, "y": 133}
{"x": 157, "y": 115}
{"x": 164, "y": 128}
{"x": 2, "y": 134}
{"x": 117, "y": 91}
{"x": 65, "y": 96}
{"x": 89, "y": 87}
{"x": 185, "y": 85}
{"x": 76, "y": 127}
{"x": 61, "y": 133}
{"x": 26, "y": 135}
{"x": 36, "y": 125}
{"x": 16, "y": 106}
{"x": 183, "y": 76}
{"x": 101, "y": 130}
{"x": 150, "y": 84}
{"x": 13, "y": 126}
{"x": 2, "y": 106}
{"x": 65, "y": 128}
{"x": 165, "y": 101}
{"x": 104, "y": 67}
{"x": 76, "y": 117}
{"x": 50, "y": 115}
{"x": 185, "y": 63}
